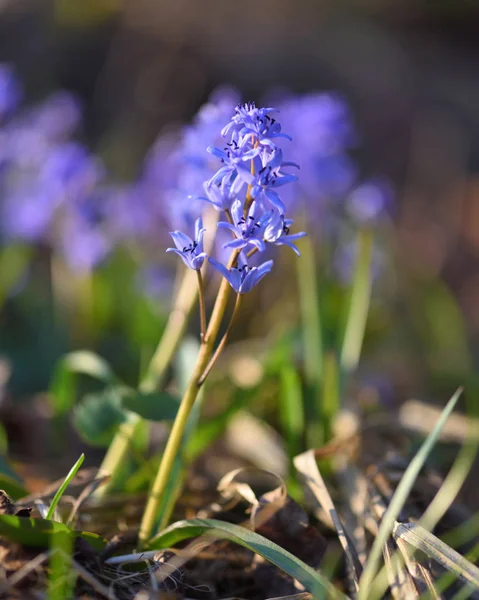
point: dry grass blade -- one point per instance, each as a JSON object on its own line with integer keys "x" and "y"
{"x": 306, "y": 465}
{"x": 420, "y": 575}
{"x": 354, "y": 486}
{"x": 238, "y": 483}
{"x": 400, "y": 581}
{"x": 423, "y": 540}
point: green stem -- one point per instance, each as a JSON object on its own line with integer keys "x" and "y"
{"x": 359, "y": 304}
{"x": 201, "y": 294}
{"x": 223, "y": 341}
{"x": 174, "y": 440}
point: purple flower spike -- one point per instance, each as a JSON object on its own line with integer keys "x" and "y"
{"x": 190, "y": 251}
{"x": 243, "y": 278}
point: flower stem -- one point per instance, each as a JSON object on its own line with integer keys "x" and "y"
{"x": 174, "y": 440}
{"x": 201, "y": 294}
{"x": 223, "y": 341}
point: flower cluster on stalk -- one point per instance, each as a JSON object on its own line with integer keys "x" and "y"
{"x": 56, "y": 193}
{"x": 244, "y": 189}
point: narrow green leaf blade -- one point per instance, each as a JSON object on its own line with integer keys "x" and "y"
{"x": 312, "y": 580}
{"x": 56, "y": 498}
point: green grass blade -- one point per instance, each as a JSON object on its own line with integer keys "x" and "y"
{"x": 457, "y": 474}
{"x": 310, "y": 315}
{"x": 291, "y": 412}
{"x": 399, "y": 498}
{"x": 61, "y": 580}
{"x": 212, "y": 529}
{"x": 329, "y": 393}
{"x": 63, "y": 487}
{"x": 359, "y": 303}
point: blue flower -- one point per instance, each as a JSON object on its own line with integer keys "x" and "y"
{"x": 277, "y": 231}
{"x": 190, "y": 251}
{"x": 222, "y": 195}
{"x": 270, "y": 175}
{"x": 243, "y": 278}
{"x": 250, "y": 121}
{"x": 248, "y": 230}
{"x": 236, "y": 153}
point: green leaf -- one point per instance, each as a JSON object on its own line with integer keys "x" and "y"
{"x": 313, "y": 581}
{"x": 61, "y": 581}
{"x": 359, "y": 303}
{"x": 64, "y": 380}
{"x": 291, "y": 409}
{"x": 61, "y": 490}
{"x": 97, "y": 416}
{"x": 154, "y": 406}
{"x": 38, "y": 532}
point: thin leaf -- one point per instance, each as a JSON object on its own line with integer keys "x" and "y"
{"x": 457, "y": 474}
{"x": 329, "y": 393}
{"x": 310, "y": 314}
{"x": 359, "y": 303}
{"x": 37, "y": 533}
{"x": 56, "y": 499}
{"x": 291, "y": 407}
{"x": 400, "y": 497}
{"x": 306, "y": 465}
{"x": 212, "y": 529}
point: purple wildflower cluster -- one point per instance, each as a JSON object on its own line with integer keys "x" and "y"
{"x": 55, "y": 192}
{"x": 245, "y": 190}
{"x": 50, "y": 186}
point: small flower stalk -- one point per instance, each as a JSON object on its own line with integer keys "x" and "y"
{"x": 245, "y": 189}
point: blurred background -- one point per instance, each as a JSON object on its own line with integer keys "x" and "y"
{"x": 94, "y": 99}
